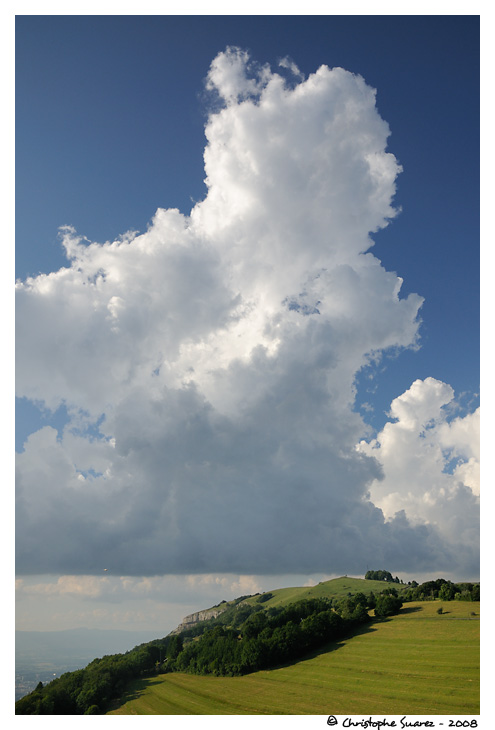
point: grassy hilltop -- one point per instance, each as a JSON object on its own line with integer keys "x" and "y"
{"x": 336, "y": 588}
{"x": 418, "y": 662}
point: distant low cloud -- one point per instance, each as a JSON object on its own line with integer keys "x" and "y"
{"x": 111, "y": 588}
{"x": 209, "y": 363}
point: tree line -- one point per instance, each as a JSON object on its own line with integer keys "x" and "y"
{"x": 442, "y": 589}
{"x": 381, "y": 575}
{"x": 270, "y": 638}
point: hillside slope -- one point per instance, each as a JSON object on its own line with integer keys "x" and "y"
{"x": 281, "y": 597}
{"x": 418, "y": 662}
{"x": 335, "y": 588}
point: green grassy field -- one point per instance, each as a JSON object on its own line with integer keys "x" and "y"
{"x": 335, "y": 588}
{"x": 418, "y": 662}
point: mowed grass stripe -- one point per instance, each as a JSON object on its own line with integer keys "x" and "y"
{"x": 404, "y": 665}
{"x": 213, "y": 696}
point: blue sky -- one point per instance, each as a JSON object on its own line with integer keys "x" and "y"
{"x": 110, "y": 126}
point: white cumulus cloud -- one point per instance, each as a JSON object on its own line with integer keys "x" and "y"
{"x": 216, "y": 356}
{"x": 430, "y": 465}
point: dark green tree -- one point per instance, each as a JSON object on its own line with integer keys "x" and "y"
{"x": 387, "y": 605}
{"x": 175, "y": 646}
{"x": 447, "y": 591}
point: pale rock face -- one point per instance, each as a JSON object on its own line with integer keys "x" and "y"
{"x": 195, "y": 618}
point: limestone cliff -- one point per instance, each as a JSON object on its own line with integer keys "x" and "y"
{"x": 194, "y": 618}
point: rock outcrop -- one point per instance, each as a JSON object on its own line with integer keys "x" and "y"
{"x": 194, "y": 618}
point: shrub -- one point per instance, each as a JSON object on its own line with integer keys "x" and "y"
{"x": 264, "y": 597}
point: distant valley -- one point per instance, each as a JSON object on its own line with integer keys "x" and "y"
{"x": 41, "y": 656}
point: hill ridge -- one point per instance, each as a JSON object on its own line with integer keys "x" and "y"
{"x": 283, "y": 596}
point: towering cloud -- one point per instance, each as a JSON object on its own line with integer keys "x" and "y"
{"x": 209, "y": 363}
